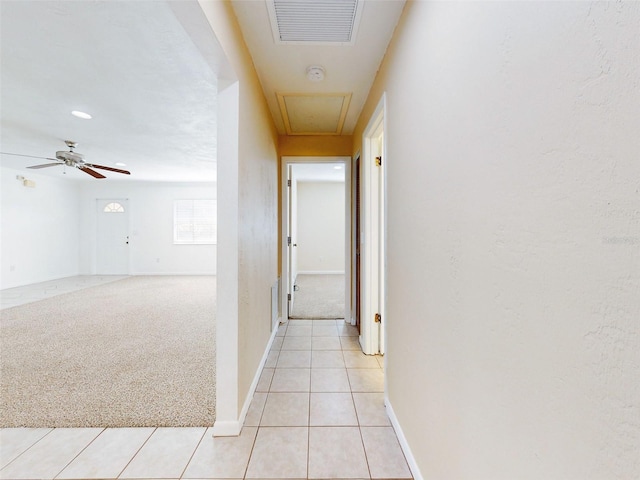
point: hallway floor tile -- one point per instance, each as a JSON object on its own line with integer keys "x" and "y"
{"x": 318, "y": 412}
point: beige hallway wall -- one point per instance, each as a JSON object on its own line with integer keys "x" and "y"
{"x": 514, "y": 237}
{"x": 250, "y": 189}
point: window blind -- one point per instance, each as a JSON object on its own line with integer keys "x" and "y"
{"x": 194, "y": 221}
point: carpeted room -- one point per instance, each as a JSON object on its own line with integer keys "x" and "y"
{"x": 152, "y": 97}
{"x": 134, "y": 352}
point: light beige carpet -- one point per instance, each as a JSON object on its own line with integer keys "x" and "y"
{"x": 136, "y": 352}
{"x": 318, "y": 296}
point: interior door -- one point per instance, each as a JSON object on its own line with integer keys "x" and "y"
{"x": 358, "y": 242}
{"x": 373, "y": 288}
{"x": 112, "y": 242}
{"x": 381, "y": 296}
{"x": 291, "y": 250}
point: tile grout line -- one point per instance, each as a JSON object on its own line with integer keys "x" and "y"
{"x": 184, "y": 470}
{"x": 309, "y": 410}
{"x": 137, "y": 452}
{"x": 364, "y": 448}
{"x": 79, "y": 453}
{"x": 309, "y": 430}
{"x": 28, "y": 448}
{"x": 253, "y": 446}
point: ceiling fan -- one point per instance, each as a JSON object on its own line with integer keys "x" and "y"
{"x": 72, "y": 159}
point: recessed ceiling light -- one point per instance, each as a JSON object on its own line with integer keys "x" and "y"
{"x": 338, "y": 167}
{"x": 79, "y": 114}
{"x": 120, "y": 164}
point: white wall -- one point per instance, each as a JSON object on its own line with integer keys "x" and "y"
{"x": 49, "y": 231}
{"x": 152, "y": 251}
{"x": 40, "y": 229}
{"x": 320, "y": 227}
{"x": 513, "y": 260}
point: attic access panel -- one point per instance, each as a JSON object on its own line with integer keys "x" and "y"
{"x": 317, "y": 22}
{"x": 309, "y": 114}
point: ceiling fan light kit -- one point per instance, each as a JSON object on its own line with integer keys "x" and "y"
{"x": 26, "y": 182}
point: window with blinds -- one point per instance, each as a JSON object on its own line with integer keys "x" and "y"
{"x": 194, "y": 222}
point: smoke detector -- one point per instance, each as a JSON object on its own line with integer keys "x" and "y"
{"x": 315, "y": 73}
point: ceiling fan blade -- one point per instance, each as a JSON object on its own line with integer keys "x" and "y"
{"x": 126, "y": 172}
{"x": 93, "y": 173}
{"x": 28, "y": 156}
{"x": 45, "y": 165}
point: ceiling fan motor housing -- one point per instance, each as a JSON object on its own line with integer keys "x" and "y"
{"x": 70, "y": 159}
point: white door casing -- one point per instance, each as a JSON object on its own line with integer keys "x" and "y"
{"x": 291, "y": 237}
{"x": 287, "y": 212}
{"x": 112, "y": 237}
{"x": 372, "y": 338}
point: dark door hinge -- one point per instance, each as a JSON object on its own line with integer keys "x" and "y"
{"x": 378, "y": 318}
{"x": 288, "y": 241}
{"x": 289, "y": 296}
{"x": 288, "y": 183}
{"x": 378, "y": 161}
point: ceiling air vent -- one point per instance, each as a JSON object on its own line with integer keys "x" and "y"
{"x": 317, "y": 22}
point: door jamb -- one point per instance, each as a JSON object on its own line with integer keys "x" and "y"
{"x": 284, "y": 212}
{"x": 373, "y": 285}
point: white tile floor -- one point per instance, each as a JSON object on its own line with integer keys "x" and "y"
{"x": 12, "y": 297}
{"x": 318, "y": 412}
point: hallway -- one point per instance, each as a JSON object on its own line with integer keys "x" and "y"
{"x": 317, "y": 412}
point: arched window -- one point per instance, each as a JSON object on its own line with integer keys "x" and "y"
{"x": 113, "y": 207}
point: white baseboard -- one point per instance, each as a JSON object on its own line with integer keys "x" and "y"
{"x": 256, "y": 378}
{"x": 233, "y": 428}
{"x": 320, "y": 272}
{"x": 226, "y": 429}
{"x": 160, "y": 274}
{"x": 411, "y": 461}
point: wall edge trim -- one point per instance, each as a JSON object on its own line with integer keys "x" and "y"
{"x": 321, "y": 272}
{"x": 233, "y": 428}
{"x": 228, "y": 428}
{"x": 404, "y": 444}
{"x": 160, "y": 274}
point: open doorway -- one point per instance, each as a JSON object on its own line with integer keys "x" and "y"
{"x": 316, "y": 212}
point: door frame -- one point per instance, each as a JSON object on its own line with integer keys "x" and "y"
{"x": 291, "y": 234}
{"x": 373, "y": 248}
{"x": 356, "y": 240}
{"x": 98, "y": 212}
{"x": 286, "y": 285}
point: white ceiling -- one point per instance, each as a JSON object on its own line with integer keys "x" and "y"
{"x": 146, "y": 71}
{"x": 131, "y": 65}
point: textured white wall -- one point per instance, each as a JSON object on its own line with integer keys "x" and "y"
{"x": 40, "y": 229}
{"x": 320, "y": 222}
{"x": 49, "y": 232}
{"x": 152, "y": 251}
{"x": 514, "y": 238}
